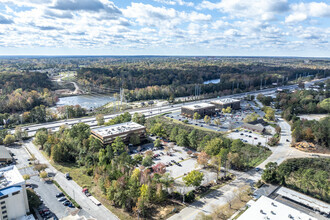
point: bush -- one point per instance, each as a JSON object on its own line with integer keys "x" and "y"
{"x": 40, "y": 167}
{"x": 26, "y": 177}
{"x": 189, "y": 197}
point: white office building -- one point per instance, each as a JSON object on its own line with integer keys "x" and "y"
{"x": 13, "y": 197}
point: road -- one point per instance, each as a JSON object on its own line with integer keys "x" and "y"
{"x": 73, "y": 189}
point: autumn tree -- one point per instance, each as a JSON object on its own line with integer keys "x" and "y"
{"x": 203, "y": 158}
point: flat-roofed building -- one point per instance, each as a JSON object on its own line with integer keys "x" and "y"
{"x": 13, "y": 197}
{"x": 5, "y": 156}
{"x": 225, "y": 103}
{"x": 266, "y": 208}
{"x": 107, "y": 134}
{"x": 201, "y": 108}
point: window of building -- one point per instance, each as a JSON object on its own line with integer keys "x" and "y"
{"x": 4, "y": 212}
{"x": 3, "y": 197}
{"x": 5, "y": 217}
{"x": 3, "y": 207}
{"x": 3, "y": 202}
{"x": 15, "y": 193}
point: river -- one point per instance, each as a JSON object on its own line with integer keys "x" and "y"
{"x": 85, "y": 101}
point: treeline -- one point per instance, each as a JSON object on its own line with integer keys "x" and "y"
{"x": 20, "y": 100}
{"x": 307, "y": 175}
{"x": 303, "y": 102}
{"x": 27, "y": 81}
{"x": 234, "y": 153}
{"x": 312, "y": 130}
{"x": 168, "y": 78}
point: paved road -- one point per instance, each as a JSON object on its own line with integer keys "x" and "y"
{"x": 73, "y": 189}
{"x": 152, "y": 111}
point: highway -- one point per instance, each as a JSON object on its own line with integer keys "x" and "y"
{"x": 152, "y": 111}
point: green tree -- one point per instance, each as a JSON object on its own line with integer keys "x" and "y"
{"x": 157, "y": 143}
{"x": 213, "y": 146}
{"x": 147, "y": 161}
{"x": 33, "y": 199}
{"x": 194, "y": 178}
{"x": 9, "y": 139}
{"x": 192, "y": 137}
{"x": 41, "y": 137}
{"x": 174, "y": 133}
{"x": 269, "y": 113}
{"x": 118, "y": 146}
{"x": 134, "y": 139}
{"x": 158, "y": 129}
{"x": 100, "y": 119}
{"x": 196, "y": 116}
{"x": 182, "y": 138}
{"x": 269, "y": 175}
{"x": 207, "y": 119}
{"x": 217, "y": 122}
{"x": 325, "y": 104}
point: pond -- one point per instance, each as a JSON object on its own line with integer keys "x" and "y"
{"x": 214, "y": 81}
{"x": 85, "y": 101}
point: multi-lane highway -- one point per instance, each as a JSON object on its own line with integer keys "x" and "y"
{"x": 152, "y": 111}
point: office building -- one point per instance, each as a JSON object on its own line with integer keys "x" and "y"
{"x": 107, "y": 134}
{"x": 225, "y": 103}
{"x": 13, "y": 196}
{"x": 201, "y": 108}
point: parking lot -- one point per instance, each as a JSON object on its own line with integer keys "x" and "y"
{"x": 228, "y": 121}
{"x": 249, "y": 137}
{"x": 178, "y": 164}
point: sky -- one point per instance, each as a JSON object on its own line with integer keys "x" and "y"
{"x": 165, "y": 27}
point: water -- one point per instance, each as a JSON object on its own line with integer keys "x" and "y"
{"x": 85, "y": 101}
{"x": 214, "y": 81}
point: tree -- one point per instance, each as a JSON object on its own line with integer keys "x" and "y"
{"x": 134, "y": 139}
{"x": 157, "y": 143}
{"x": 269, "y": 113}
{"x": 207, "y": 119}
{"x": 228, "y": 109}
{"x": 147, "y": 161}
{"x": 213, "y": 146}
{"x": 182, "y": 138}
{"x": 159, "y": 168}
{"x": 217, "y": 122}
{"x": 9, "y": 139}
{"x": 33, "y": 199}
{"x": 41, "y": 137}
{"x": 174, "y": 133}
{"x": 43, "y": 174}
{"x": 158, "y": 129}
{"x": 203, "y": 158}
{"x": 192, "y": 137}
{"x": 26, "y": 176}
{"x": 197, "y": 116}
{"x": 325, "y": 104}
{"x": 194, "y": 178}
{"x": 216, "y": 161}
{"x": 19, "y": 133}
{"x": 118, "y": 146}
{"x": 100, "y": 119}
{"x": 269, "y": 174}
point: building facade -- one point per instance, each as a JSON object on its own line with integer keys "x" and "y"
{"x": 201, "y": 108}
{"x": 225, "y": 103}
{"x": 5, "y": 156}
{"x": 107, "y": 134}
{"x": 13, "y": 197}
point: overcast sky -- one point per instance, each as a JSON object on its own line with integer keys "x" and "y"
{"x": 165, "y": 27}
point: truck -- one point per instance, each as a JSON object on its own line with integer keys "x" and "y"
{"x": 95, "y": 201}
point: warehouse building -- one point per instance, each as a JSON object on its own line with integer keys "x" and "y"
{"x": 13, "y": 197}
{"x": 225, "y": 103}
{"x": 266, "y": 208}
{"x": 201, "y": 108}
{"x": 107, "y": 134}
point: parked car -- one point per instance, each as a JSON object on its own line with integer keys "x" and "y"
{"x": 66, "y": 203}
{"x": 61, "y": 199}
{"x": 59, "y": 195}
{"x": 67, "y": 176}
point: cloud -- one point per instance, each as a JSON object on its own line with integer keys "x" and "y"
{"x": 86, "y": 5}
{"x": 303, "y": 11}
{"x": 55, "y": 14}
{"x": 264, "y": 9}
{"x": 176, "y": 2}
{"x": 4, "y": 20}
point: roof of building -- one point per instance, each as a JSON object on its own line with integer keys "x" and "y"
{"x": 27, "y": 217}
{"x": 9, "y": 190}
{"x": 257, "y": 127}
{"x": 266, "y": 208}
{"x": 117, "y": 128}
{"x": 4, "y": 153}
{"x": 10, "y": 176}
{"x": 225, "y": 101}
{"x": 304, "y": 199}
{"x": 198, "y": 106}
